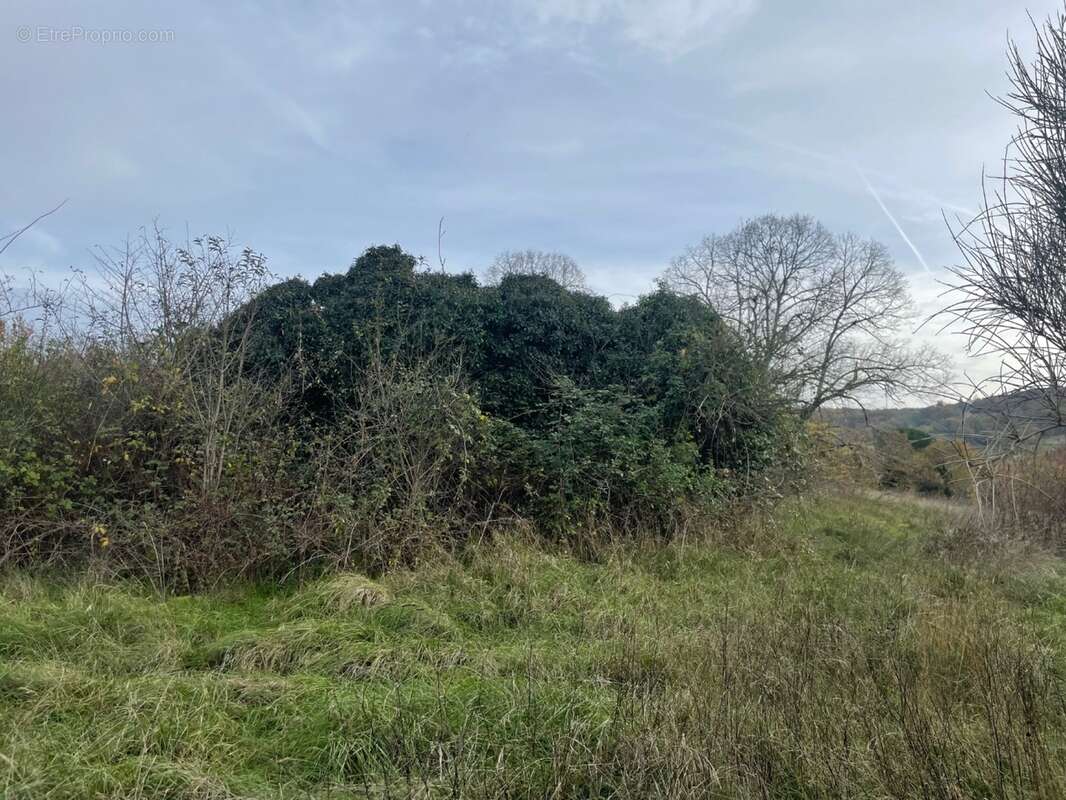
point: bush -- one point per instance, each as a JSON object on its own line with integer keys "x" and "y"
{"x": 511, "y": 344}
{"x": 596, "y": 459}
{"x": 909, "y": 460}
{"x": 37, "y": 468}
{"x": 201, "y": 426}
{"x": 393, "y": 472}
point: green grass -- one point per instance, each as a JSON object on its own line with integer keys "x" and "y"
{"x": 844, "y": 648}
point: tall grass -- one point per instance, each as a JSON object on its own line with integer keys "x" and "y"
{"x": 820, "y": 653}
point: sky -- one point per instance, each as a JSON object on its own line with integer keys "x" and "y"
{"x": 615, "y": 131}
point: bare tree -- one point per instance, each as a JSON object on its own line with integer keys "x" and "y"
{"x": 1010, "y": 291}
{"x": 559, "y": 267}
{"x": 821, "y": 313}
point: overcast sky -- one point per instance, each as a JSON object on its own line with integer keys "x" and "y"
{"x": 616, "y": 131}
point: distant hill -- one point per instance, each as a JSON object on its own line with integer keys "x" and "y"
{"x": 975, "y": 419}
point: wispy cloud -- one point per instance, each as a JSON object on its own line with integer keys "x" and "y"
{"x": 669, "y": 28}
{"x": 285, "y": 108}
{"x": 899, "y": 228}
{"x": 928, "y": 206}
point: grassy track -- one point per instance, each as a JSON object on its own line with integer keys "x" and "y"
{"x": 846, "y": 648}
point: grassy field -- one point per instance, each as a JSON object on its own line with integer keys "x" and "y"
{"x": 845, "y": 648}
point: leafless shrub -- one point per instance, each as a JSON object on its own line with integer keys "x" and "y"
{"x": 1023, "y": 496}
{"x": 186, "y": 313}
{"x": 1010, "y": 291}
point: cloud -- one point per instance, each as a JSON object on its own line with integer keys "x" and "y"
{"x": 109, "y": 163}
{"x": 891, "y": 218}
{"x": 44, "y": 241}
{"x": 284, "y": 107}
{"x": 551, "y": 147}
{"x": 296, "y": 115}
{"x": 669, "y": 28}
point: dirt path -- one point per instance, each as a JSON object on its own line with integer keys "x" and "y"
{"x": 956, "y": 508}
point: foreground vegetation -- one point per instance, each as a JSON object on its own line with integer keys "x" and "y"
{"x": 841, "y": 648}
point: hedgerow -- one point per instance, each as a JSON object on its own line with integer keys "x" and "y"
{"x": 194, "y": 421}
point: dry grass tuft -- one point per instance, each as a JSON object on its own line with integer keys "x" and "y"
{"x": 342, "y": 593}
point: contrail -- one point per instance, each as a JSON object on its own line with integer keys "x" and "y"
{"x": 892, "y": 219}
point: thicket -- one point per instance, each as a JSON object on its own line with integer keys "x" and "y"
{"x": 894, "y": 459}
{"x": 911, "y": 460}
{"x": 186, "y": 420}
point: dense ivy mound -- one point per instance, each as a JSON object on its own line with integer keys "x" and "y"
{"x": 665, "y": 370}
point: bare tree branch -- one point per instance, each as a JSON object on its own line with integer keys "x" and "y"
{"x": 559, "y": 267}
{"x": 17, "y": 301}
{"x": 1009, "y": 294}
{"x": 7, "y": 240}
